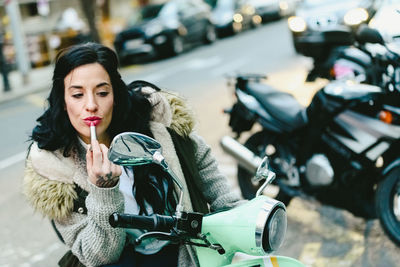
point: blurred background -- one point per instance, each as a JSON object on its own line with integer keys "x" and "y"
{"x": 193, "y": 47}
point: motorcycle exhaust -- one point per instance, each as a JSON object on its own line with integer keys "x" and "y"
{"x": 241, "y": 154}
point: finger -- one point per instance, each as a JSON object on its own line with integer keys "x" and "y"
{"x": 104, "y": 152}
{"x": 103, "y": 149}
{"x": 89, "y": 166}
{"x": 97, "y": 155}
{"x": 89, "y": 158}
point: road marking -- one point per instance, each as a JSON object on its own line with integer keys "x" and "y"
{"x": 155, "y": 77}
{"x": 201, "y": 63}
{"x": 228, "y": 67}
{"x": 12, "y": 160}
{"x": 193, "y": 64}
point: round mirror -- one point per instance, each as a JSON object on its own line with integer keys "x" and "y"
{"x": 132, "y": 148}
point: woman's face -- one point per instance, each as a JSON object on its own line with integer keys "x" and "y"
{"x": 89, "y": 99}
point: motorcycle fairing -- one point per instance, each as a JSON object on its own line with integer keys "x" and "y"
{"x": 366, "y": 135}
{"x": 347, "y": 69}
{"x": 356, "y": 55}
{"x": 348, "y": 91}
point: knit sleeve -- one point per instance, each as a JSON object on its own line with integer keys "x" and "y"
{"x": 90, "y": 237}
{"x": 213, "y": 183}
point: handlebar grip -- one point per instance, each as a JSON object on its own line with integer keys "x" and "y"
{"x": 153, "y": 222}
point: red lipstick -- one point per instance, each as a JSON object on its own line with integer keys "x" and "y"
{"x": 92, "y": 120}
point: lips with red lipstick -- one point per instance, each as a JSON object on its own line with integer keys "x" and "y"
{"x": 92, "y": 121}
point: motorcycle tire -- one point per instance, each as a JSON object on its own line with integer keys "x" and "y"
{"x": 257, "y": 143}
{"x": 387, "y": 201}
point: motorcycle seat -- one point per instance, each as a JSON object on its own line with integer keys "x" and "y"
{"x": 280, "y": 105}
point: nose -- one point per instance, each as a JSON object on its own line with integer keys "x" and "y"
{"x": 91, "y": 103}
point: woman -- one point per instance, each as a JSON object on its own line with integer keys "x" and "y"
{"x": 68, "y": 176}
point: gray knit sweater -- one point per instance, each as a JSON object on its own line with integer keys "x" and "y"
{"x": 50, "y": 177}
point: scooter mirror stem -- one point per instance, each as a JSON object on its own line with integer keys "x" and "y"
{"x": 159, "y": 158}
{"x": 271, "y": 176}
{"x": 179, "y": 206}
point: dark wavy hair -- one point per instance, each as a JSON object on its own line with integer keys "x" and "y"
{"x": 153, "y": 185}
{"x": 131, "y": 110}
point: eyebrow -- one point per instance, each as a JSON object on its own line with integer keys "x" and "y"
{"x": 97, "y": 86}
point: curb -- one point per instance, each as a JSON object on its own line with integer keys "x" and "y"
{"x": 10, "y": 96}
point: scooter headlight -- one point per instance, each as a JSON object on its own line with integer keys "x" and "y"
{"x": 275, "y": 231}
{"x": 272, "y": 226}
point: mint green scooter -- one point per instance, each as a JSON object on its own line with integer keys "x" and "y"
{"x": 255, "y": 228}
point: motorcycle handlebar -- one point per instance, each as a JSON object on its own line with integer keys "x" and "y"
{"x": 153, "y": 222}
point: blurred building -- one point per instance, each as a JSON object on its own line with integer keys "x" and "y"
{"x": 50, "y": 25}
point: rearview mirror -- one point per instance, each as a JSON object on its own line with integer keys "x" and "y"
{"x": 130, "y": 149}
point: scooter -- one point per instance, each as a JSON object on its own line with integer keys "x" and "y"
{"x": 256, "y": 228}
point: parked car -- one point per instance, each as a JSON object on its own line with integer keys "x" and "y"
{"x": 167, "y": 29}
{"x": 273, "y": 9}
{"x": 319, "y": 24}
{"x": 233, "y": 16}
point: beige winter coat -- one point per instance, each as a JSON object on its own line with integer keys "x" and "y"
{"x": 50, "y": 177}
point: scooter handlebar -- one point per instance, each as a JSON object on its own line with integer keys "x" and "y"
{"x": 153, "y": 222}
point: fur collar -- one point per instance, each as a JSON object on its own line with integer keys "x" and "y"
{"x": 171, "y": 110}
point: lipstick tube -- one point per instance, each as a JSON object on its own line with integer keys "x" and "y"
{"x": 93, "y": 136}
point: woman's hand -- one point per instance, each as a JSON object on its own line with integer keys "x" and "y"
{"x": 101, "y": 171}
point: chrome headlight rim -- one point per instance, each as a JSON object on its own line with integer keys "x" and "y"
{"x": 265, "y": 219}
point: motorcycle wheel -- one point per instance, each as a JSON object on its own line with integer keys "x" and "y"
{"x": 388, "y": 204}
{"x": 258, "y": 143}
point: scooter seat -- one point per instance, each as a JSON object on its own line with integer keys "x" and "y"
{"x": 280, "y": 105}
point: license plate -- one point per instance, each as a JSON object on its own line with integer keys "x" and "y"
{"x": 132, "y": 44}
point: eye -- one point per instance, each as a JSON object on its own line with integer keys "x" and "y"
{"x": 103, "y": 93}
{"x": 77, "y": 95}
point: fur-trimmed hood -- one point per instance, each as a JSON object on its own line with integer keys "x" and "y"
{"x": 171, "y": 110}
{"x": 50, "y": 177}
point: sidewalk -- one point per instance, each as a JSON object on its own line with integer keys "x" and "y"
{"x": 39, "y": 79}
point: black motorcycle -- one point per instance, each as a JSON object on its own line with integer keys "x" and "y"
{"x": 357, "y": 61}
{"x": 343, "y": 149}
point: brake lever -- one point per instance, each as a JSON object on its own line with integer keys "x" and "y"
{"x": 158, "y": 235}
